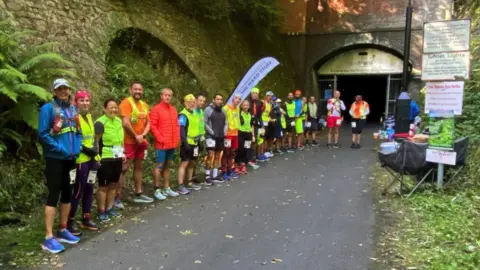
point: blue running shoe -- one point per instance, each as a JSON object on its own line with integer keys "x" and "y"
{"x": 113, "y": 213}
{"x": 66, "y": 237}
{"x": 226, "y": 177}
{"x": 234, "y": 175}
{"x": 52, "y": 245}
{"x": 262, "y": 158}
{"x": 103, "y": 217}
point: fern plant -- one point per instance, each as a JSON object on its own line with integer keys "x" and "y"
{"x": 25, "y": 74}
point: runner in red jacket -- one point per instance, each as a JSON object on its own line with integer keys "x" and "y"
{"x": 165, "y": 129}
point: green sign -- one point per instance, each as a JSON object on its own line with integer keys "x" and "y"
{"x": 442, "y": 130}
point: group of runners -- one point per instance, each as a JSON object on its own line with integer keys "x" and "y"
{"x": 224, "y": 138}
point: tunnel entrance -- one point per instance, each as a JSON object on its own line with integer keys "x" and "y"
{"x": 369, "y": 70}
{"x": 136, "y": 55}
{"x": 371, "y": 87}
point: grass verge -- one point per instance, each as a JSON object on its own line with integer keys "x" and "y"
{"x": 430, "y": 230}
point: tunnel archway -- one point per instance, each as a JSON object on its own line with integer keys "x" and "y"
{"x": 137, "y": 55}
{"x": 371, "y": 70}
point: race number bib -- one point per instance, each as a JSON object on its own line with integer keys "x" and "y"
{"x": 73, "y": 175}
{"x": 228, "y": 143}
{"x": 261, "y": 131}
{"x": 195, "y": 151}
{"x": 265, "y": 123}
{"x": 210, "y": 143}
{"x": 118, "y": 152}
{"x": 248, "y": 144}
{"x": 92, "y": 176}
{"x": 354, "y": 124}
{"x": 292, "y": 124}
{"x": 308, "y": 124}
{"x": 339, "y": 122}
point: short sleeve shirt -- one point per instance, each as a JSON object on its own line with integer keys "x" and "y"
{"x": 138, "y": 127}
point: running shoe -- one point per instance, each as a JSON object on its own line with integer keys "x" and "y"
{"x": 66, "y": 237}
{"x": 262, "y": 158}
{"x": 103, "y": 217}
{"x": 353, "y": 146}
{"x": 335, "y": 145}
{"x": 291, "y": 150}
{"x": 182, "y": 190}
{"x": 234, "y": 175}
{"x": 88, "y": 224}
{"x": 73, "y": 228}
{"x": 118, "y": 204}
{"x": 268, "y": 154}
{"x": 243, "y": 169}
{"x": 218, "y": 180}
{"x": 226, "y": 177}
{"x": 208, "y": 182}
{"x": 314, "y": 143}
{"x": 52, "y": 245}
{"x": 194, "y": 187}
{"x": 112, "y": 213}
{"x": 159, "y": 195}
{"x": 168, "y": 192}
{"x": 142, "y": 199}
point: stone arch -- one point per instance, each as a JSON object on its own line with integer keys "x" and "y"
{"x": 336, "y": 51}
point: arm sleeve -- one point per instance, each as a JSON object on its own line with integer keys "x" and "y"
{"x": 342, "y": 105}
{"x": 183, "y": 123}
{"x": 329, "y": 105}
{"x": 45, "y": 123}
{"x": 225, "y": 127}
{"x": 367, "y": 109}
{"x": 208, "y": 128}
{"x": 154, "y": 126}
{"x": 99, "y": 128}
{"x": 351, "y": 109}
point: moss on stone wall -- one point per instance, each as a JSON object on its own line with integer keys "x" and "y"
{"x": 218, "y": 53}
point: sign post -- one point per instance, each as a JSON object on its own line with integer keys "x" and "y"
{"x": 446, "y": 57}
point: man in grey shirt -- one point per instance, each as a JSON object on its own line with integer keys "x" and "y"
{"x": 215, "y": 127}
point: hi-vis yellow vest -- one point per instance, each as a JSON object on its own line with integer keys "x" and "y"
{"x": 193, "y": 126}
{"x": 135, "y": 111}
{"x": 233, "y": 119}
{"x": 88, "y": 138}
{"x": 266, "y": 112}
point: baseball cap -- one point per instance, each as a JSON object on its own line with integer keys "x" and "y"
{"x": 298, "y": 92}
{"x": 255, "y": 90}
{"x": 189, "y": 97}
{"x": 269, "y": 93}
{"x": 278, "y": 100}
{"x": 60, "y": 82}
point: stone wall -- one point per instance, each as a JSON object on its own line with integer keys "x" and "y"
{"x": 217, "y": 54}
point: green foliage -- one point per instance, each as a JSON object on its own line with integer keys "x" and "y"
{"x": 260, "y": 12}
{"x": 149, "y": 61}
{"x": 21, "y": 185}
{"x": 25, "y": 73}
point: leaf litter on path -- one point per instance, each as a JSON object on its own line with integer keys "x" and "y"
{"x": 121, "y": 231}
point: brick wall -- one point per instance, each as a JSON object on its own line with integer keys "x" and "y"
{"x": 294, "y": 12}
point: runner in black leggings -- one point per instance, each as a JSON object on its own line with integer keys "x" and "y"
{"x": 245, "y": 135}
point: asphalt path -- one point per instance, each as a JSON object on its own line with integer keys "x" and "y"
{"x": 312, "y": 209}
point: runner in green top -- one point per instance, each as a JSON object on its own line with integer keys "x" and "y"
{"x": 201, "y": 99}
{"x": 246, "y": 136}
{"x": 109, "y": 134}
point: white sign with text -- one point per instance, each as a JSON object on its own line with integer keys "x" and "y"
{"x": 442, "y": 156}
{"x": 446, "y": 36}
{"x": 445, "y": 66}
{"x": 444, "y": 96}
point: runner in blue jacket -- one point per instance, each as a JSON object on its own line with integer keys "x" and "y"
{"x": 61, "y": 138}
